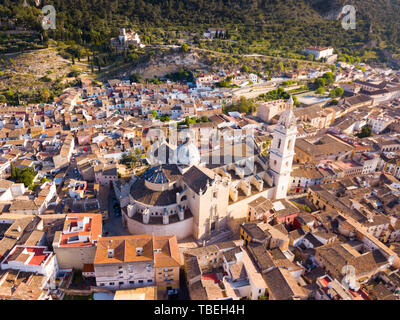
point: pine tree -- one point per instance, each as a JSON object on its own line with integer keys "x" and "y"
{"x": 13, "y": 172}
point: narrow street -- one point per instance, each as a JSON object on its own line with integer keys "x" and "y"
{"x": 113, "y": 226}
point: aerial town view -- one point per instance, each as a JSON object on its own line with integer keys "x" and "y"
{"x": 199, "y": 150}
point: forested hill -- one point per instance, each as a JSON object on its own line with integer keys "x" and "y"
{"x": 282, "y": 23}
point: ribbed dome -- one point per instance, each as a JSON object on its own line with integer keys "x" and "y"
{"x": 156, "y": 175}
{"x": 187, "y": 154}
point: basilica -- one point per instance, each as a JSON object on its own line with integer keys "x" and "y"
{"x": 192, "y": 194}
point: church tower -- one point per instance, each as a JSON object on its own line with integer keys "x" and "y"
{"x": 282, "y": 152}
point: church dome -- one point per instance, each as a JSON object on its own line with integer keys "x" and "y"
{"x": 187, "y": 154}
{"x": 159, "y": 178}
{"x": 155, "y": 175}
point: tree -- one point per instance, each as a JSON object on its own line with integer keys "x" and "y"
{"x": 366, "y": 131}
{"x": 9, "y": 94}
{"x": 319, "y": 83}
{"x": 185, "y": 47}
{"x": 310, "y": 57}
{"x": 337, "y": 92}
{"x": 13, "y": 172}
{"x": 124, "y": 159}
{"x": 243, "y": 106}
{"x": 153, "y": 113}
{"x": 245, "y": 69}
{"x": 165, "y": 118}
{"x": 136, "y": 156}
{"x": 45, "y": 95}
{"x": 227, "y": 82}
{"x": 136, "y": 77}
{"x": 296, "y": 102}
{"x": 24, "y": 176}
{"x": 329, "y": 78}
{"x": 276, "y": 94}
{"x": 2, "y": 98}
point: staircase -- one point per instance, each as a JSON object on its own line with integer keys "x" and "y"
{"x": 215, "y": 237}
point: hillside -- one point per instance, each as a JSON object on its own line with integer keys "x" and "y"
{"x": 254, "y": 26}
{"x": 37, "y": 76}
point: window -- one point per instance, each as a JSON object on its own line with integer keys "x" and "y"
{"x": 121, "y": 283}
{"x": 102, "y": 284}
{"x": 131, "y": 282}
{"x": 140, "y": 281}
{"x": 149, "y": 281}
{"x": 112, "y": 283}
{"x": 279, "y": 143}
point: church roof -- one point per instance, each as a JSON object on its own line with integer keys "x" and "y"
{"x": 162, "y": 174}
{"x": 197, "y": 178}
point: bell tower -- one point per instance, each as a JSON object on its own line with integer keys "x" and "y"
{"x": 282, "y": 152}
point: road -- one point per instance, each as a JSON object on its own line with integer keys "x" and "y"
{"x": 183, "y": 292}
{"x": 253, "y": 91}
{"x": 113, "y": 226}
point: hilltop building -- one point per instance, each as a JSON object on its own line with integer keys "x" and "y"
{"x": 125, "y": 39}
{"x": 321, "y": 53}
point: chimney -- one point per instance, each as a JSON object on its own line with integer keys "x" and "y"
{"x": 110, "y": 253}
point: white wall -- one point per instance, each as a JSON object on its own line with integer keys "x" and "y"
{"x": 181, "y": 229}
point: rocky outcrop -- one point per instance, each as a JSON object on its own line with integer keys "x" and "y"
{"x": 170, "y": 63}
{"x": 328, "y": 9}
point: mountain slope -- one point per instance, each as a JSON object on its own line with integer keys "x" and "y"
{"x": 283, "y": 24}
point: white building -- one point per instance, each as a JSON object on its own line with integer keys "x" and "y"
{"x": 35, "y": 259}
{"x": 319, "y": 52}
{"x": 378, "y": 124}
{"x": 253, "y": 78}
